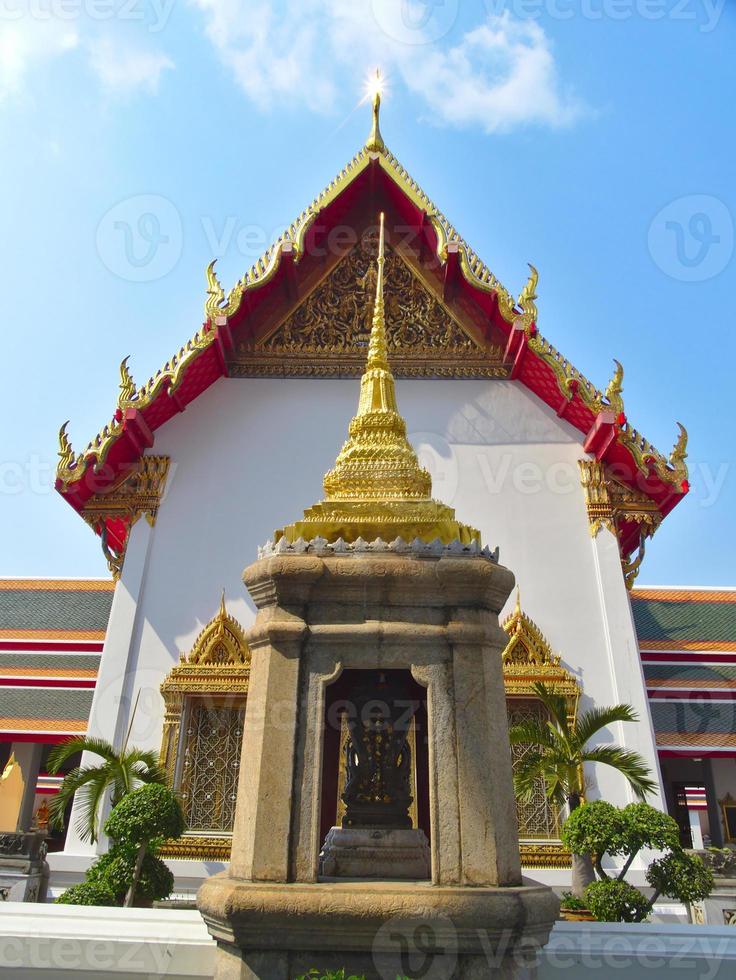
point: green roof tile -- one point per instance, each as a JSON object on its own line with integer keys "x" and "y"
{"x": 41, "y": 702}
{"x": 54, "y": 609}
{"x": 691, "y": 620}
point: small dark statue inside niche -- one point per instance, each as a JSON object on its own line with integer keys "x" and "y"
{"x": 377, "y": 754}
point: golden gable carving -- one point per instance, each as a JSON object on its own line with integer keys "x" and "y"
{"x": 327, "y": 335}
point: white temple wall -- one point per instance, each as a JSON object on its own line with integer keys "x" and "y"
{"x": 249, "y": 455}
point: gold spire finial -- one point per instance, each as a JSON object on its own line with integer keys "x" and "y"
{"x": 377, "y": 350}
{"x": 377, "y": 489}
{"x": 517, "y": 608}
{"x": 223, "y": 610}
{"x": 127, "y": 385}
{"x": 375, "y": 142}
{"x": 66, "y": 453}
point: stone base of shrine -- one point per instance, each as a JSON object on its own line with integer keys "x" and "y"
{"x": 398, "y": 855}
{"x": 380, "y": 930}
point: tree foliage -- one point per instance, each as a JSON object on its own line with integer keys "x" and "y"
{"x": 119, "y": 773}
{"x": 559, "y": 750}
{"x": 87, "y": 893}
{"x": 114, "y": 871}
{"x": 138, "y": 826}
{"x": 616, "y": 901}
{"x": 599, "y": 828}
{"x": 682, "y": 876}
{"x": 149, "y": 815}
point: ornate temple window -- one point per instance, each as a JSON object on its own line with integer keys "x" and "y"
{"x": 527, "y": 660}
{"x": 205, "y": 697}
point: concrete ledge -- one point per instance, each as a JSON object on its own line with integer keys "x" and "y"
{"x": 46, "y": 942}
{"x": 61, "y": 942}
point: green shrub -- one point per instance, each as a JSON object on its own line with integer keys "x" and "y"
{"x": 616, "y": 901}
{"x": 327, "y": 975}
{"x": 593, "y": 828}
{"x": 115, "y": 869}
{"x": 572, "y": 903}
{"x": 87, "y": 893}
{"x": 600, "y": 828}
{"x": 682, "y": 876}
{"x": 149, "y": 815}
{"x": 332, "y": 975}
{"x": 645, "y": 826}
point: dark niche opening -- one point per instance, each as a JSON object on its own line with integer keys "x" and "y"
{"x": 376, "y": 759}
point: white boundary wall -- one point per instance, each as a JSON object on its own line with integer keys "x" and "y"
{"x": 46, "y": 942}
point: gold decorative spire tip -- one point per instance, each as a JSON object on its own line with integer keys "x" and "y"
{"x": 375, "y": 143}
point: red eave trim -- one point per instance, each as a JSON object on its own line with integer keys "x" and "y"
{"x": 688, "y": 696}
{"x": 45, "y": 738}
{"x": 72, "y": 683}
{"x": 702, "y": 657}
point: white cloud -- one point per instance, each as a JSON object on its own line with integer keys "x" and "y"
{"x": 25, "y": 44}
{"x": 123, "y": 69}
{"x": 32, "y": 36}
{"x": 498, "y": 75}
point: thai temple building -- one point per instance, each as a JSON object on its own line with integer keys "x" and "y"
{"x": 236, "y": 433}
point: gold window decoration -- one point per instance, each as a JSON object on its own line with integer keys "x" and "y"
{"x": 205, "y": 697}
{"x": 528, "y": 660}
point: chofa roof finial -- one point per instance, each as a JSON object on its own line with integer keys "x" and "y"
{"x": 375, "y": 142}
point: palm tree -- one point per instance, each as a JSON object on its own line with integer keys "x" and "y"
{"x": 558, "y": 755}
{"x": 120, "y": 772}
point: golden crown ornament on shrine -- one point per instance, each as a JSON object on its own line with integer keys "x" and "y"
{"x": 377, "y": 488}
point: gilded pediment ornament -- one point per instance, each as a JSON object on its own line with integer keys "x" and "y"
{"x": 528, "y": 659}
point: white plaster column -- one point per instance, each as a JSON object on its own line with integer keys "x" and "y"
{"x": 695, "y": 829}
{"x": 622, "y": 648}
{"x": 110, "y": 713}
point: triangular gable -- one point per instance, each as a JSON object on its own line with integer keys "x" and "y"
{"x": 286, "y": 280}
{"x": 327, "y": 334}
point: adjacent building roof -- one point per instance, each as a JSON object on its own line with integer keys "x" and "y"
{"x": 687, "y": 638}
{"x": 51, "y": 637}
{"x": 685, "y": 619}
{"x": 52, "y": 633}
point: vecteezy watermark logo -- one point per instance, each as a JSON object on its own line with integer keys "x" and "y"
{"x": 424, "y": 949}
{"x": 691, "y": 238}
{"x": 154, "y": 14}
{"x": 140, "y": 239}
{"x": 415, "y": 21}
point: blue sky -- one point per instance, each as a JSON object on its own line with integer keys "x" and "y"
{"x": 592, "y": 137}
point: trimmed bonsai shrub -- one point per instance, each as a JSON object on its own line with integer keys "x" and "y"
{"x": 87, "y": 893}
{"x": 140, "y": 824}
{"x": 599, "y": 828}
{"x": 616, "y": 901}
{"x": 684, "y": 877}
{"x": 115, "y": 871}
